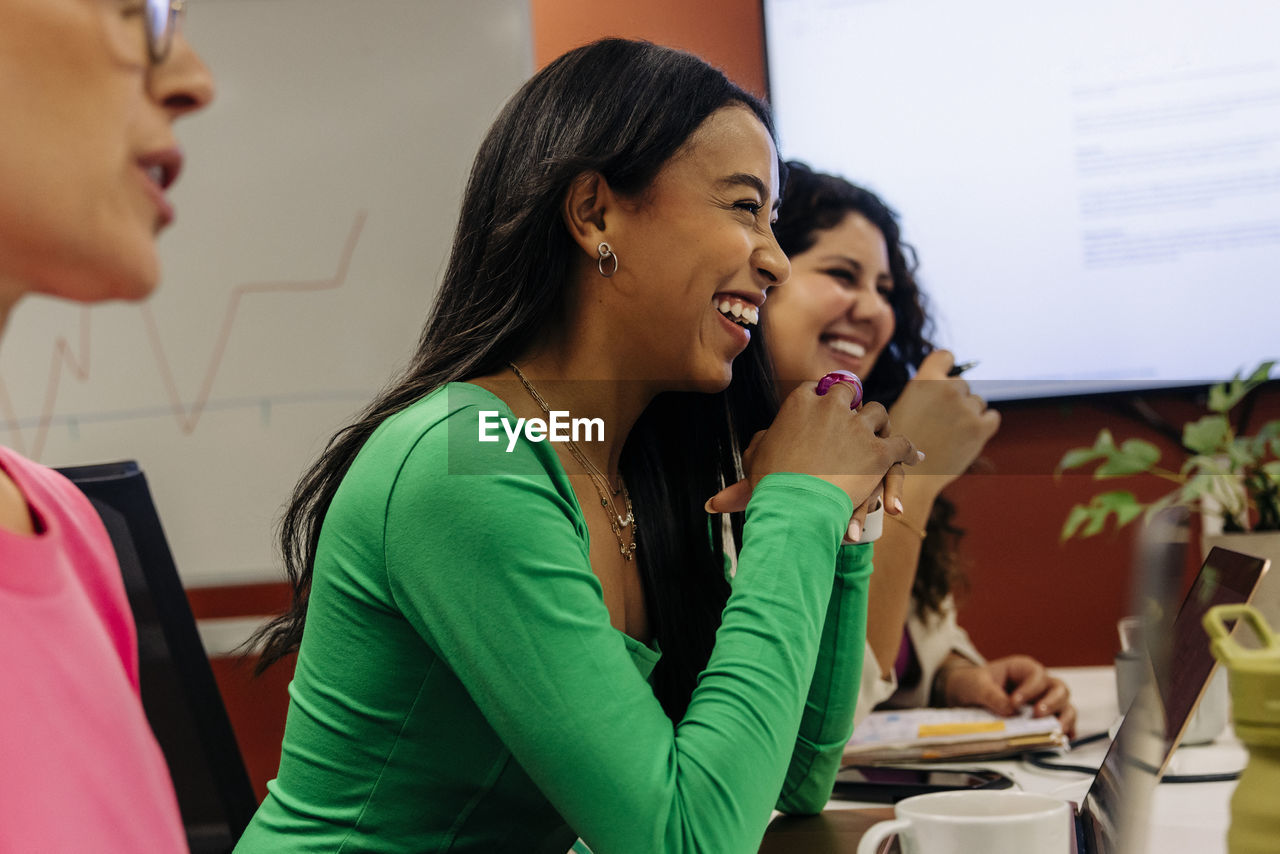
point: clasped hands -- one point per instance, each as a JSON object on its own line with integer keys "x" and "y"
{"x": 819, "y": 435}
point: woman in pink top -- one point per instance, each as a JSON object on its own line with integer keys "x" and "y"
{"x": 89, "y": 90}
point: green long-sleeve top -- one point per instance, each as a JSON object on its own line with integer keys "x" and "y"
{"x": 460, "y": 688}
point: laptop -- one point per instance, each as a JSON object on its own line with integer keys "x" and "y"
{"x": 1114, "y": 816}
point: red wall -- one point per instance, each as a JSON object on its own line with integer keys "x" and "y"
{"x": 1027, "y": 592}
{"x": 727, "y": 33}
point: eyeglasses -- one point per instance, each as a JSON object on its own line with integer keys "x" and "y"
{"x": 161, "y": 23}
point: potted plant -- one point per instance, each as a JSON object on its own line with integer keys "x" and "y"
{"x": 1236, "y": 478}
{"x": 1233, "y": 481}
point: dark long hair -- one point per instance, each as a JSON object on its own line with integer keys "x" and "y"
{"x": 622, "y": 109}
{"x": 814, "y": 202}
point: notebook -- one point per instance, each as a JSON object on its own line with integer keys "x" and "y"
{"x": 933, "y": 735}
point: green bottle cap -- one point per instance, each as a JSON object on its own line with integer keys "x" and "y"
{"x": 1255, "y": 673}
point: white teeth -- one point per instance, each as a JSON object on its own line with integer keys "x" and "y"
{"x": 156, "y": 174}
{"x": 741, "y": 313}
{"x": 842, "y": 346}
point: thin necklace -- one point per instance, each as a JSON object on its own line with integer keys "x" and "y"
{"x": 617, "y": 521}
{"x": 573, "y": 447}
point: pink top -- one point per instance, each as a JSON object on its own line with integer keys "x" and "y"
{"x": 79, "y": 768}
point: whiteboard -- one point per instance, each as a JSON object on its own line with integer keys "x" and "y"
{"x": 314, "y": 217}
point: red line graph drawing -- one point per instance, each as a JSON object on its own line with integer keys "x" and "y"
{"x": 76, "y": 362}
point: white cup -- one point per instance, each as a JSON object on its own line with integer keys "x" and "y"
{"x": 1210, "y": 716}
{"x": 968, "y": 822}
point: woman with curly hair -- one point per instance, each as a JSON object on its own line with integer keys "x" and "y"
{"x": 853, "y": 303}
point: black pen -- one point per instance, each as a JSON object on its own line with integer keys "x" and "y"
{"x": 957, "y": 370}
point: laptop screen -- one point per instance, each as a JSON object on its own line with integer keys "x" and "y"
{"x": 1115, "y": 808}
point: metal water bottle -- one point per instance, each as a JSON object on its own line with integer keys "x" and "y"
{"x": 1255, "y": 697}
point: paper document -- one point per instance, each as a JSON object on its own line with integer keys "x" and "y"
{"x": 893, "y": 736}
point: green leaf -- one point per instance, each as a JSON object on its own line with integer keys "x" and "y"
{"x": 1133, "y": 457}
{"x": 1261, "y": 373}
{"x": 1240, "y": 454}
{"x": 1078, "y": 516}
{"x": 1227, "y": 490}
{"x": 1077, "y": 457}
{"x": 1141, "y": 450}
{"x": 1224, "y": 396}
{"x": 1267, "y": 438}
{"x": 1088, "y": 520}
{"x": 1097, "y": 521}
{"x": 1204, "y": 464}
{"x": 1115, "y": 500}
{"x": 1104, "y": 448}
{"x": 1127, "y": 513}
{"x": 1197, "y": 487}
{"x": 1209, "y": 435}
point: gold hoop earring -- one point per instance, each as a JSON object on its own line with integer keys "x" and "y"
{"x": 606, "y": 255}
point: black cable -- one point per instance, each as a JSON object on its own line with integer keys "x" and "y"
{"x": 1038, "y": 760}
{"x": 1087, "y": 739}
{"x": 1201, "y": 778}
{"x": 1041, "y": 760}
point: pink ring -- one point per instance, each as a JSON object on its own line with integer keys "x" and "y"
{"x": 849, "y": 378}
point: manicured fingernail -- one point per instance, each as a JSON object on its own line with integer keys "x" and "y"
{"x": 920, "y": 456}
{"x": 897, "y": 504}
{"x": 709, "y": 507}
{"x": 1016, "y": 699}
{"x": 1042, "y": 710}
{"x": 855, "y": 530}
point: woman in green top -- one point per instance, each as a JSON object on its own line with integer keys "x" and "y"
{"x": 511, "y": 642}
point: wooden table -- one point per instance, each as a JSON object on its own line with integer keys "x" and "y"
{"x": 1185, "y": 817}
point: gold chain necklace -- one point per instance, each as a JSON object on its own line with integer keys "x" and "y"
{"x": 617, "y": 521}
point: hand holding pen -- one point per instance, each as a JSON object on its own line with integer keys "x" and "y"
{"x": 945, "y": 419}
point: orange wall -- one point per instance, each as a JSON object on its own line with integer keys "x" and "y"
{"x": 727, "y": 33}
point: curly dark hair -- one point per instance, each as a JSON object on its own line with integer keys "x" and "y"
{"x": 813, "y": 202}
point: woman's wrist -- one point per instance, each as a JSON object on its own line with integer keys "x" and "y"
{"x": 919, "y": 492}
{"x": 938, "y": 690}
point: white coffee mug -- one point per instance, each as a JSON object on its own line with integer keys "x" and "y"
{"x": 1210, "y": 716}
{"x": 966, "y": 822}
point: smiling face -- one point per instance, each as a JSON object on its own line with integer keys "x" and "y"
{"x": 835, "y": 311}
{"x": 697, "y": 252}
{"x": 85, "y": 162}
